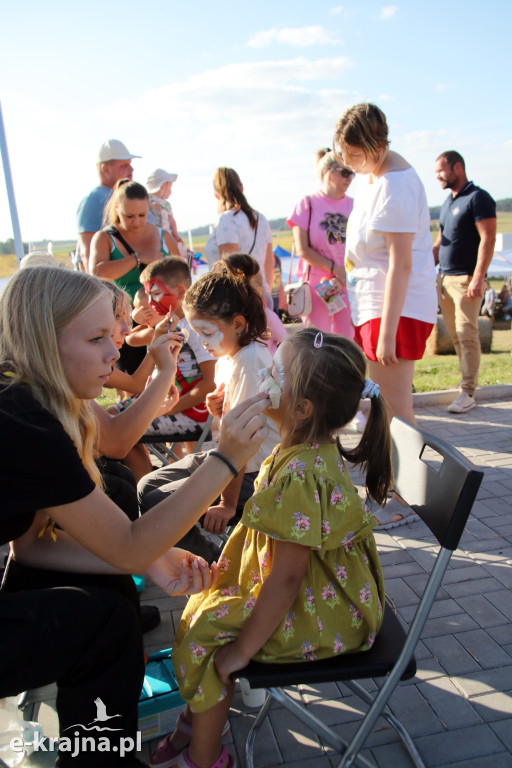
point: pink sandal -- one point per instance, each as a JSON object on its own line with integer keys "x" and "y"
{"x": 224, "y": 760}
{"x": 166, "y": 756}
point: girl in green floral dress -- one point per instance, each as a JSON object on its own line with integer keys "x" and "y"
{"x": 299, "y": 578}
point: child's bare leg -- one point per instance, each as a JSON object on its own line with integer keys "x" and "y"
{"x": 395, "y": 382}
{"x": 178, "y": 739}
{"x": 206, "y": 743}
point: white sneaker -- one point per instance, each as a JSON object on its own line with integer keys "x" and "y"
{"x": 462, "y": 403}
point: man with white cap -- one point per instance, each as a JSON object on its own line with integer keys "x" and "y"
{"x": 159, "y": 185}
{"x": 113, "y": 163}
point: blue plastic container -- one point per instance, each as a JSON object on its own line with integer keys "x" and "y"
{"x": 160, "y": 702}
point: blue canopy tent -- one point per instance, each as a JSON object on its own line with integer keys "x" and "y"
{"x": 501, "y": 264}
{"x": 281, "y": 253}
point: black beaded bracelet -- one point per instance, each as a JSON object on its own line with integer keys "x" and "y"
{"x": 226, "y": 462}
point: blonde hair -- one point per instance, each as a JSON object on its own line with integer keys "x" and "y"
{"x": 38, "y": 259}
{"x": 124, "y": 189}
{"x": 36, "y": 305}
{"x": 363, "y": 126}
{"x": 325, "y": 160}
{"x": 118, "y": 295}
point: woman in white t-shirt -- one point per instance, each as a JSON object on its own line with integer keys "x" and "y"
{"x": 239, "y": 228}
{"x": 388, "y": 257}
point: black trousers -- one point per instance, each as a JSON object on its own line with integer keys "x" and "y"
{"x": 87, "y": 639}
{"x": 81, "y": 631}
{"x": 130, "y": 358}
{"x": 161, "y": 483}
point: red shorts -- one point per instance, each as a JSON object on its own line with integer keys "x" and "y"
{"x": 411, "y": 338}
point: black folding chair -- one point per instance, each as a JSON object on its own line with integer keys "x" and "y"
{"x": 162, "y": 446}
{"x": 440, "y": 485}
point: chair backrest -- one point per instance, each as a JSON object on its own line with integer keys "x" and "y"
{"x": 435, "y": 479}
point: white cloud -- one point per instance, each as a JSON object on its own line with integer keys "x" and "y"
{"x": 265, "y": 119}
{"x": 387, "y": 11}
{"x": 298, "y": 36}
{"x": 344, "y": 11}
{"x": 445, "y": 86}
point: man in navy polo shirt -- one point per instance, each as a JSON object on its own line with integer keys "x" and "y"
{"x": 113, "y": 163}
{"x": 463, "y": 251}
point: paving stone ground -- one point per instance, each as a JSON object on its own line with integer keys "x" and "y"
{"x": 459, "y": 706}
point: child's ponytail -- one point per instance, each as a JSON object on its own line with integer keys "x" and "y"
{"x": 373, "y": 452}
{"x": 329, "y": 370}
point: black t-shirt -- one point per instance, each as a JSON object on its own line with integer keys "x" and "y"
{"x": 39, "y": 463}
{"x": 460, "y": 239}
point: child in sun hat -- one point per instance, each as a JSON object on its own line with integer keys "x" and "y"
{"x": 159, "y": 185}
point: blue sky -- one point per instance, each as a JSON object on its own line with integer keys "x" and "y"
{"x": 194, "y": 85}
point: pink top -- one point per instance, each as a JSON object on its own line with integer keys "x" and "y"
{"x": 279, "y": 332}
{"x": 328, "y": 228}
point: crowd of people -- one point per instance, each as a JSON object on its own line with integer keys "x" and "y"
{"x": 93, "y": 510}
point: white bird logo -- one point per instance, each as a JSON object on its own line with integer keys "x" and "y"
{"x": 101, "y": 712}
{"x": 101, "y": 717}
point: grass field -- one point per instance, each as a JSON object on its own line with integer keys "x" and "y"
{"x": 439, "y": 372}
{"x": 432, "y": 373}
{"x": 9, "y": 264}
{"x": 442, "y": 371}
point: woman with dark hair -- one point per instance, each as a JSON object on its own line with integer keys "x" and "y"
{"x": 129, "y": 240}
{"x": 240, "y": 229}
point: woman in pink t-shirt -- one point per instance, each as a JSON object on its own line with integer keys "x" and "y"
{"x": 319, "y": 225}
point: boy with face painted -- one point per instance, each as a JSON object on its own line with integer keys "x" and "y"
{"x": 165, "y": 283}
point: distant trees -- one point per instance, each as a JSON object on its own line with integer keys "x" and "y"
{"x": 276, "y": 225}
{"x": 502, "y": 206}
{"x": 10, "y": 247}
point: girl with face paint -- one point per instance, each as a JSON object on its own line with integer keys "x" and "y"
{"x": 228, "y": 316}
{"x": 299, "y": 577}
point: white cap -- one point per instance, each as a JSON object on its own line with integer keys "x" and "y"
{"x": 157, "y": 178}
{"x": 113, "y": 149}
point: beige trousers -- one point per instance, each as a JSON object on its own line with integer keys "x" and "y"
{"x": 460, "y": 314}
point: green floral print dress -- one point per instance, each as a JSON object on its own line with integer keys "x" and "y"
{"x": 304, "y": 495}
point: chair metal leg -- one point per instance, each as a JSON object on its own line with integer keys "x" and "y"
{"x": 381, "y": 699}
{"x": 251, "y": 738}
{"x": 391, "y": 719}
{"x": 152, "y": 448}
{"x": 313, "y": 722}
